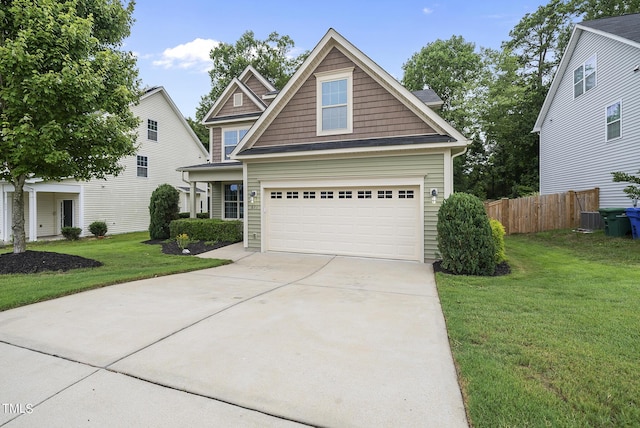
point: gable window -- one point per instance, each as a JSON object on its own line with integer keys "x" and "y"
{"x": 233, "y": 201}
{"x": 152, "y": 130}
{"x": 142, "y": 164}
{"x": 334, "y": 94}
{"x": 614, "y": 120}
{"x": 230, "y": 139}
{"x": 584, "y": 77}
{"x": 237, "y": 99}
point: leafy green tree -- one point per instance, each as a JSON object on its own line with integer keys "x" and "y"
{"x": 164, "y": 207}
{"x": 271, "y": 57}
{"x": 65, "y": 92}
{"x": 596, "y": 9}
{"x": 633, "y": 189}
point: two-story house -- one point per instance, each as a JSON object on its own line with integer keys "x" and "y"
{"x": 343, "y": 160}
{"x": 589, "y": 124}
{"x": 165, "y": 142}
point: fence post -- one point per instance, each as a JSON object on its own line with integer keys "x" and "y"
{"x": 597, "y": 191}
{"x": 505, "y": 215}
{"x": 570, "y": 201}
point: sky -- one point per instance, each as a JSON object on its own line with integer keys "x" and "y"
{"x": 172, "y": 38}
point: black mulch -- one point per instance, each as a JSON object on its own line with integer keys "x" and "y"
{"x": 41, "y": 261}
{"x": 501, "y": 269}
{"x": 194, "y": 248}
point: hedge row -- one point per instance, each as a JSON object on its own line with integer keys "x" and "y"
{"x": 210, "y": 230}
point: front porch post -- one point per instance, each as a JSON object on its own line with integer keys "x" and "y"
{"x": 192, "y": 200}
{"x": 33, "y": 215}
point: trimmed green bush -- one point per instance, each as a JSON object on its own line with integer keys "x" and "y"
{"x": 465, "y": 241}
{"x": 497, "y": 231}
{"x": 198, "y": 215}
{"x": 210, "y": 230}
{"x": 163, "y": 209}
{"x": 98, "y": 228}
{"x": 71, "y": 233}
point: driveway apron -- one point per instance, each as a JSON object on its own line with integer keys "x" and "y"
{"x": 273, "y": 339}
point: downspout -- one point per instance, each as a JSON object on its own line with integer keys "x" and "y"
{"x": 449, "y": 191}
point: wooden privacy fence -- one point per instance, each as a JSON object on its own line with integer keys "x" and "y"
{"x": 544, "y": 212}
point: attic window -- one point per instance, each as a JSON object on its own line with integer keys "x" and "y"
{"x": 152, "y": 130}
{"x": 334, "y": 105}
{"x": 584, "y": 77}
{"x": 237, "y": 99}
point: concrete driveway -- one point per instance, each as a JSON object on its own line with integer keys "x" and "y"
{"x": 271, "y": 340}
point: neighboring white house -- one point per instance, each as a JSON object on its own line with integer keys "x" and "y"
{"x": 165, "y": 142}
{"x": 589, "y": 124}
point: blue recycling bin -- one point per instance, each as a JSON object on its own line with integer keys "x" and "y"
{"x": 634, "y": 218}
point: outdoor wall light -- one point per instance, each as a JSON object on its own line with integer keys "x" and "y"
{"x": 434, "y": 195}
{"x": 252, "y": 195}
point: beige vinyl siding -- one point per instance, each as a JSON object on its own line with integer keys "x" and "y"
{"x": 123, "y": 201}
{"x": 216, "y": 145}
{"x": 574, "y": 153}
{"x": 431, "y": 166}
{"x": 376, "y": 113}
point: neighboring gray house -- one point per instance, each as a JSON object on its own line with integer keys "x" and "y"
{"x": 343, "y": 160}
{"x": 589, "y": 124}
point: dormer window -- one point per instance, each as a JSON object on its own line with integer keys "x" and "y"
{"x": 584, "y": 77}
{"x": 237, "y": 99}
{"x": 334, "y": 94}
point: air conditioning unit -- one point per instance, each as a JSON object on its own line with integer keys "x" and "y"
{"x": 591, "y": 220}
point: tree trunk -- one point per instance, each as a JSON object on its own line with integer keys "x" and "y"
{"x": 17, "y": 216}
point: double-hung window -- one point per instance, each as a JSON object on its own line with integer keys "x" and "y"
{"x": 230, "y": 139}
{"x": 142, "y": 166}
{"x": 584, "y": 77}
{"x": 614, "y": 120}
{"x": 334, "y": 94}
{"x": 233, "y": 201}
{"x": 152, "y": 130}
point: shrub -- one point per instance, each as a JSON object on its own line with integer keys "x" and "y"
{"x": 98, "y": 228}
{"x": 497, "y": 231}
{"x": 163, "y": 209}
{"x": 198, "y": 215}
{"x": 464, "y": 236}
{"x": 183, "y": 240}
{"x": 210, "y": 230}
{"x": 71, "y": 233}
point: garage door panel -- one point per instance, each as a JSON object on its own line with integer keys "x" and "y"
{"x": 370, "y": 222}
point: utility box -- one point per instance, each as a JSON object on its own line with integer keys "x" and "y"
{"x": 591, "y": 220}
{"x": 616, "y": 222}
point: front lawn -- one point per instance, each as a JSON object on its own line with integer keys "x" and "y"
{"x": 557, "y": 342}
{"x": 125, "y": 258}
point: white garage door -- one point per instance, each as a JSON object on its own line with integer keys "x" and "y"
{"x": 364, "y": 221}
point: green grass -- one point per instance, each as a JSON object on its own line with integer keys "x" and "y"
{"x": 125, "y": 258}
{"x": 557, "y": 342}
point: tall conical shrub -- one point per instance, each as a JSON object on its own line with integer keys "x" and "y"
{"x": 163, "y": 209}
{"x": 464, "y": 236}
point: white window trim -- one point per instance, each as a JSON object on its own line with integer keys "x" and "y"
{"x": 237, "y": 99}
{"x": 328, "y": 76}
{"x": 238, "y": 202}
{"x": 157, "y": 130}
{"x": 147, "y": 167}
{"x": 606, "y": 123}
{"x": 584, "y": 76}
{"x": 222, "y": 146}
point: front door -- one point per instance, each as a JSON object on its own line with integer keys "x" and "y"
{"x": 66, "y": 208}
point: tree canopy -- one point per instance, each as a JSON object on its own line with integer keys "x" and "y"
{"x": 65, "y": 93}
{"x": 272, "y": 57}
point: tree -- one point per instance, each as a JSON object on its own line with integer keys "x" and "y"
{"x": 596, "y": 9}
{"x": 454, "y": 70}
{"x": 65, "y": 92}
{"x": 271, "y": 57}
{"x": 164, "y": 207}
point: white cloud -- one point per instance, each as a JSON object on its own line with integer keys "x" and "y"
{"x": 427, "y": 11}
{"x": 191, "y": 55}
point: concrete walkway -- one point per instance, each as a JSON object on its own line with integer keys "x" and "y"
{"x": 271, "y": 340}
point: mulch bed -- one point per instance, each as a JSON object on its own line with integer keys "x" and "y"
{"x": 194, "y": 248}
{"x": 42, "y": 261}
{"x": 501, "y": 269}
